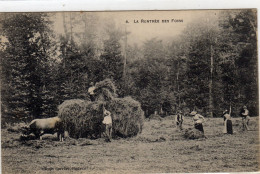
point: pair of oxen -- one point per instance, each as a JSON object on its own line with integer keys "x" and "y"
{"x": 39, "y": 127}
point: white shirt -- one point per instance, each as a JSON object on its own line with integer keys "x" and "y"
{"x": 198, "y": 118}
{"x": 107, "y": 120}
{"x": 91, "y": 90}
{"x": 227, "y": 116}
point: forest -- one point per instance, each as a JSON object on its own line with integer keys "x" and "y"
{"x": 211, "y": 66}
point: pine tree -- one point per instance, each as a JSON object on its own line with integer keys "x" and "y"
{"x": 112, "y": 59}
{"x": 27, "y": 52}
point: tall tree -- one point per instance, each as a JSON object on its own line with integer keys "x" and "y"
{"x": 27, "y": 51}
{"x": 152, "y": 79}
{"x": 201, "y": 53}
{"x": 112, "y": 58}
{"x": 239, "y": 58}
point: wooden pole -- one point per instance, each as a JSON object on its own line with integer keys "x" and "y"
{"x": 211, "y": 82}
{"x": 230, "y": 109}
{"x": 124, "y": 67}
{"x": 124, "y": 70}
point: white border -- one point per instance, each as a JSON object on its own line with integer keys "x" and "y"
{"x": 103, "y": 5}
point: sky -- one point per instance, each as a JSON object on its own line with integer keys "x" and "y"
{"x": 141, "y": 25}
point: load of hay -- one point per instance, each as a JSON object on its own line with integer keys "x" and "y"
{"x": 192, "y": 133}
{"x": 127, "y": 116}
{"x": 81, "y": 118}
{"x": 105, "y": 90}
{"x": 84, "y": 118}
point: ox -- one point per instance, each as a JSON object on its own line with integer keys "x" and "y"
{"x": 40, "y": 127}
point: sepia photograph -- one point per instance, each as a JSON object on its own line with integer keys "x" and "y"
{"x": 129, "y": 91}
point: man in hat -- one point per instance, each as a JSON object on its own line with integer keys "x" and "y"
{"x": 245, "y": 118}
{"x": 179, "y": 120}
{"x": 198, "y": 120}
{"x": 91, "y": 90}
{"x": 108, "y": 124}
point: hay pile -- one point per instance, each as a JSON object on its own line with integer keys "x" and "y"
{"x": 105, "y": 90}
{"x": 192, "y": 133}
{"x": 127, "y": 116}
{"x": 170, "y": 117}
{"x": 155, "y": 117}
{"x": 81, "y": 118}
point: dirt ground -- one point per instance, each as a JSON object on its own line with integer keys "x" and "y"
{"x": 160, "y": 148}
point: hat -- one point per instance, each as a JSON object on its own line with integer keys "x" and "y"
{"x": 244, "y": 106}
{"x": 91, "y": 83}
{"x": 193, "y": 113}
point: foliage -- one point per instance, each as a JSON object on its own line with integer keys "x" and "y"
{"x": 239, "y": 59}
{"x": 112, "y": 59}
{"x": 25, "y": 63}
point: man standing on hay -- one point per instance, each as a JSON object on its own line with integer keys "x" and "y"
{"x": 108, "y": 123}
{"x": 91, "y": 90}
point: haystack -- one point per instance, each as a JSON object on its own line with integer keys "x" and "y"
{"x": 105, "y": 90}
{"x": 192, "y": 133}
{"x": 81, "y": 118}
{"x": 127, "y": 115}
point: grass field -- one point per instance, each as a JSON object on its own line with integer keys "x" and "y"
{"x": 160, "y": 148}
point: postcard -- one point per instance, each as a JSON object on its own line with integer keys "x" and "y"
{"x": 129, "y": 91}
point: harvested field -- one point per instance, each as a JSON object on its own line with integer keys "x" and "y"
{"x": 160, "y": 148}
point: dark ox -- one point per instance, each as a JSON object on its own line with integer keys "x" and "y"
{"x": 40, "y": 127}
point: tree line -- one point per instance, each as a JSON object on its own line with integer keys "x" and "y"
{"x": 210, "y": 67}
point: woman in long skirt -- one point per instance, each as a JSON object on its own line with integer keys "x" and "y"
{"x": 228, "y": 128}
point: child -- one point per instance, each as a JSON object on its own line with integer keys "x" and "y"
{"x": 108, "y": 123}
